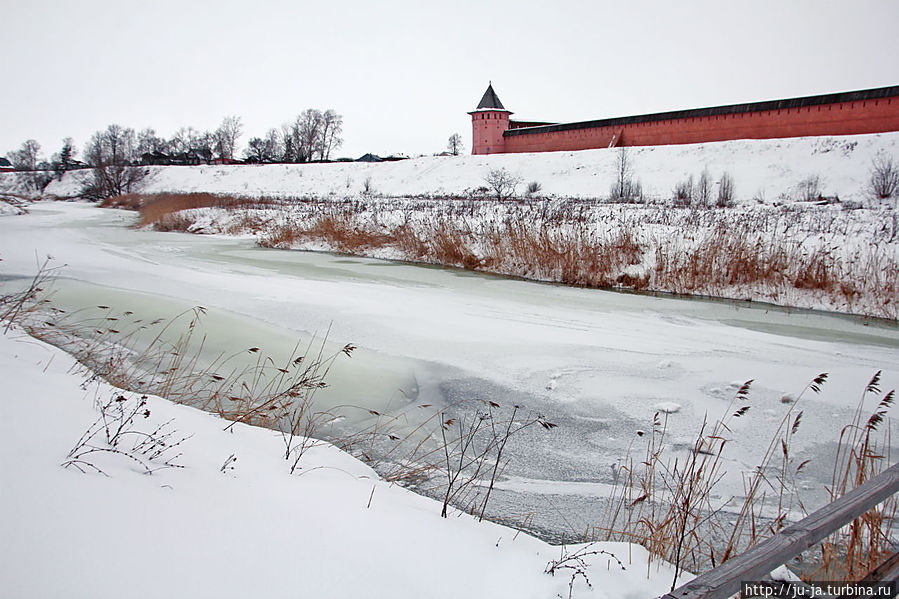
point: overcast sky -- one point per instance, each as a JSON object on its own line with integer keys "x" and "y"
{"x": 404, "y": 74}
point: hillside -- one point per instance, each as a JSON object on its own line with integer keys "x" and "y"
{"x": 766, "y": 170}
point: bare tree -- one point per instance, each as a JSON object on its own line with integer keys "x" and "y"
{"x": 307, "y": 132}
{"x": 683, "y": 192}
{"x": 262, "y": 149}
{"x": 725, "y": 190}
{"x": 703, "y": 192}
{"x": 274, "y": 142}
{"x": 226, "y": 137}
{"x": 331, "y": 128}
{"x": 26, "y": 158}
{"x": 148, "y": 142}
{"x": 111, "y": 153}
{"x": 454, "y": 144}
{"x": 502, "y": 182}
{"x": 206, "y": 146}
{"x": 625, "y": 188}
{"x": 184, "y": 139}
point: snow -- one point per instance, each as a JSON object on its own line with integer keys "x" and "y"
{"x": 246, "y": 530}
{"x": 11, "y": 207}
{"x": 769, "y": 171}
{"x": 598, "y": 363}
{"x": 769, "y": 177}
{"x": 612, "y": 356}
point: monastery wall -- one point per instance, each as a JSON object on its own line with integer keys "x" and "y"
{"x": 862, "y": 116}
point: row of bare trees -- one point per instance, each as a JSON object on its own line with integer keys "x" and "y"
{"x": 312, "y": 135}
{"x": 219, "y": 144}
{"x": 118, "y": 154}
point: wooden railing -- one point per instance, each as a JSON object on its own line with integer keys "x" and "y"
{"x": 760, "y": 560}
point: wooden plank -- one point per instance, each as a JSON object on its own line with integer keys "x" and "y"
{"x": 757, "y": 562}
{"x": 888, "y": 571}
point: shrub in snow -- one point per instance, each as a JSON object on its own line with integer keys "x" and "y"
{"x": 502, "y": 183}
{"x": 625, "y": 188}
{"x": 367, "y": 187}
{"x": 810, "y": 189}
{"x": 725, "y": 191}
{"x": 115, "y": 432}
{"x": 683, "y": 192}
{"x": 884, "y": 177}
{"x": 703, "y": 191}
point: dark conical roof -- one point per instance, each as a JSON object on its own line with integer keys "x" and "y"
{"x": 490, "y": 100}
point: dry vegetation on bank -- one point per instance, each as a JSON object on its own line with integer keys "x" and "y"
{"x": 800, "y": 254}
{"x": 672, "y": 506}
{"x": 668, "y": 503}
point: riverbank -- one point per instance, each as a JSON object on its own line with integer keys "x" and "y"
{"x": 597, "y": 364}
{"x": 815, "y": 255}
{"x": 221, "y": 516}
{"x": 762, "y": 170}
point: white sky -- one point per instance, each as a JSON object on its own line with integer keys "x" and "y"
{"x": 403, "y": 74}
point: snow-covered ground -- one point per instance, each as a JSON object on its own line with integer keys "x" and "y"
{"x": 850, "y": 248}
{"x": 801, "y": 254}
{"x": 765, "y": 170}
{"x": 598, "y": 364}
{"x": 231, "y": 521}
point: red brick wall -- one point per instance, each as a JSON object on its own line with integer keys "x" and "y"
{"x": 845, "y": 118}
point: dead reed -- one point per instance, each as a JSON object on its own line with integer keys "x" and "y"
{"x": 166, "y": 358}
{"x": 160, "y": 209}
{"x": 864, "y": 452}
{"x": 670, "y": 504}
{"x": 795, "y": 256}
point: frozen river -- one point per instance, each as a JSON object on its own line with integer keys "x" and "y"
{"x": 598, "y": 364}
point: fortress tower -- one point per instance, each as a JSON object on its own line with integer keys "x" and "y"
{"x": 488, "y": 122}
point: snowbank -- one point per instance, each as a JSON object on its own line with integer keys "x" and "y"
{"x": 244, "y": 528}
{"x": 764, "y": 170}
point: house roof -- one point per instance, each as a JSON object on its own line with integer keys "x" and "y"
{"x": 490, "y": 100}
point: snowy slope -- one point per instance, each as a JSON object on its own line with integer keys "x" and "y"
{"x": 762, "y": 169}
{"x": 248, "y": 530}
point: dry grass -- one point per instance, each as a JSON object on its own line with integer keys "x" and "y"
{"x": 582, "y": 258}
{"x": 417, "y": 447}
{"x": 731, "y": 256}
{"x": 166, "y": 358}
{"x": 790, "y": 256}
{"x": 863, "y": 453}
{"x": 161, "y": 209}
{"x": 669, "y": 504}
